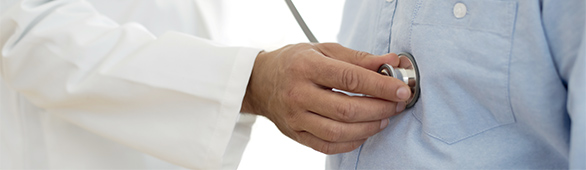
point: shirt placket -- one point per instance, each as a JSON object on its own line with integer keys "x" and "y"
{"x": 383, "y": 35}
{"x": 383, "y": 39}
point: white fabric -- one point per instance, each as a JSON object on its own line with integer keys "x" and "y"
{"x": 109, "y": 84}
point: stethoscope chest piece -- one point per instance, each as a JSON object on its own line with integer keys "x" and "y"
{"x": 407, "y": 72}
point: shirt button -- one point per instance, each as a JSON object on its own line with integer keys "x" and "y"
{"x": 390, "y": 0}
{"x": 460, "y": 10}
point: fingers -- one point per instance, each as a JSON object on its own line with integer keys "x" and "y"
{"x": 344, "y": 76}
{"x": 328, "y": 147}
{"x": 365, "y": 60}
{"x": 286, "y": 86}
{"x": 344, "y": 108}
{"x": 334, "y": 131}
{"x": 362, "y": 59}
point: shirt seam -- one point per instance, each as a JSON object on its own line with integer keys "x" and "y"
{"x": 375, "y": 26}
{"x": 510, "y": 60}
{"x": 415, "y": 13}
{"x": 358, "y": 157}
{"x": 391, "y": 27}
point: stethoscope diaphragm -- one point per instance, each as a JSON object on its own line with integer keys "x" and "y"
{"x": 407, "y": 72}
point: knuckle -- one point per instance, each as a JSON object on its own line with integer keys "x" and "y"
{"x": 372, "y": 129}
{"x": 302, "y": 47}
{"x": 297, "y": 65}
{"x": 360, "y": 54}
{"x": 346, "y": 112}
{"x": 301, "y": 63}
{"x": 381, "y": 109}
{"x": 333, "y": 45}
{"x": 305, "y": 45}
{"x": 293, "y": 121}
{"x": 380, "y": 86}
{"x": 328, "y": 46}
{"x": 297, "y": 136}
{"x": 387, "y": 109}
{"x": 333, "y": 133}
{"x": 350, "y": 80}
{"x": 288, "y": 46}
{"x": 293, "y": 96}
{"x": 325, "y": 148}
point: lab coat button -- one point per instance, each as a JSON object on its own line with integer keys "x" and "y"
{"x": 460, "y": 10}
{"x": 390, "y": 0}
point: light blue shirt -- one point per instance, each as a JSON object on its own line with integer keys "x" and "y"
{"x": 502, "y": 83}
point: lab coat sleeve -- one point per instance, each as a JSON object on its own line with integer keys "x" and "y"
{"x": 176, "y": 97}
{"x": 566, "y": 33}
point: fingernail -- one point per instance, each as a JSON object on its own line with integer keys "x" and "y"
{"x": 384, "y": 123}
{"x": 403, "y": 93}
{"x": 400, "y": 107}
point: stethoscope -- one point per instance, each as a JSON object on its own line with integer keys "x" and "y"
{"x": 407, "y": 70}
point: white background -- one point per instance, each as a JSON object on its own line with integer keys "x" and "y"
{"x": 268, "y": 24}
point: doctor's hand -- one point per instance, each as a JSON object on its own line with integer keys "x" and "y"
{"x": 292, "y": 86}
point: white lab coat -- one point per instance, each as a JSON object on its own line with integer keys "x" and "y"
{"x": 103, "y": 84}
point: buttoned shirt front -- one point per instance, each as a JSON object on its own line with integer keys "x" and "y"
{"x": 502, "y": 83}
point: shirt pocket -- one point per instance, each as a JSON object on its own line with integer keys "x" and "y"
{"x": 464, "y": 66}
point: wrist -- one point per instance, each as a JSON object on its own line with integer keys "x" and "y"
{"x": 249, "y": 101}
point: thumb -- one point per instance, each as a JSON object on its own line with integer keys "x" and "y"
{"x": 360, "y": 58}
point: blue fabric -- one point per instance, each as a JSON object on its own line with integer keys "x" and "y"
{"x": 502, "y": 87}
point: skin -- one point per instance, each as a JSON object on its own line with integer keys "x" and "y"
{"x": 292, "y": 87}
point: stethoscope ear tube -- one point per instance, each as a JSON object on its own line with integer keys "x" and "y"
{"x": 407, "y": 72}
{"x": 301, "y": 22}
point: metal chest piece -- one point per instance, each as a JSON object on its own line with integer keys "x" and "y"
{"x": 406, "y": 72}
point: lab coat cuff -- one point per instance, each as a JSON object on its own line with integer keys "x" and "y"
{"x": 233, "y": 130}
